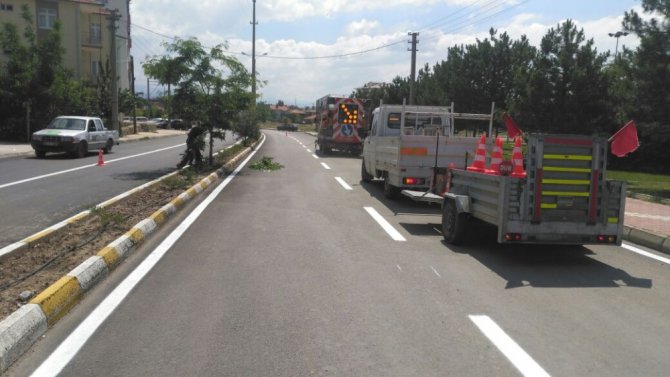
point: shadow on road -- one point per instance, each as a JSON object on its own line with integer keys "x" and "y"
{"x": 547, "y": 266}
{"x": 148, "y": 175}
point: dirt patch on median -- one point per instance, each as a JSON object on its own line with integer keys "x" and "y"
{"x": 43, "y": 263}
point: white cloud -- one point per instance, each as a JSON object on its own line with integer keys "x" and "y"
{"x": 361, "y": 27}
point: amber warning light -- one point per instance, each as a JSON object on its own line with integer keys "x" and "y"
{"x": 348, "y": 113}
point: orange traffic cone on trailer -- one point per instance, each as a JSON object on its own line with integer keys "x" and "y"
{"x": 101, "y": 161}
{"x": 479, "y": 164}
{"x": 496, "y": 157}
{"x": 517, "y": 160}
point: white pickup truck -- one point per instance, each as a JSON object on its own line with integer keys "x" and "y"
{"x": 405, "y": 143}
{"x": 76, "y": 135}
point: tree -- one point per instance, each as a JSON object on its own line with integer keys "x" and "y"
{"x": 567, "y": 90}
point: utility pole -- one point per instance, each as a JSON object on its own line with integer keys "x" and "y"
{"x": 412, "y": 84}
{"x": 114, "y": 17}
{"x": 132, "y": 77}
{"x": 253, "y": 54}
{"x": 148, "y": 96}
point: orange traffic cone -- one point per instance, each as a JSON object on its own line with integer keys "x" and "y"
{"x": 479, "y": 164}
{"x": 517, "y": 160}
{"x": 101, "y": 162}
{"x": 496, "y": 157}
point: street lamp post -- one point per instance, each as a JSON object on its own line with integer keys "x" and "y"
{"x": 253, "y": 54}
{"x": 617, "y": 35}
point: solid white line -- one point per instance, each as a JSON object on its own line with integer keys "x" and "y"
{"x": 435, "y": 271}
{"x": 521, "y": 360}
{"x": 84, "y": 167}
{"x": 315, "y": 156}
{"x": 55, "y": 363}
{"x": 325, "y": 166}
{"x": 395, "y": 235}
{"x": 343, "y": 183}
{"x": 645, "y": 253}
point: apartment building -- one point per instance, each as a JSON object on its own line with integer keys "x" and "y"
{"x": 85, "y": 26}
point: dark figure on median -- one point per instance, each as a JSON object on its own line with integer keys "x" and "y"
{"x": 194, "y": 144}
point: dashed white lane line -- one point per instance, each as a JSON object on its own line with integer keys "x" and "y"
{"x": 514, "y": 353}
{"x": 645, "y": 253}
{"x": 435, "y": 271}
{"x": 343, "y": 183}
{"x": 85, "y": 166}
{"x": 437, "y": 230}
{"x": 395, "y": 235}
{"x": 309, "y": 150}
{"x": 399, "y": 268}
{"x": 315, "y": 156}
{"x": 325, "y": 166}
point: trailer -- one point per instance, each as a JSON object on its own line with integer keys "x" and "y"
{"x": 565, "y": 197}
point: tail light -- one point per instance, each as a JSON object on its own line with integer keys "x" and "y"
{"x": 411, "y": 181}
{"x": 512, "y": 237}
{"x": 602, "y": 238}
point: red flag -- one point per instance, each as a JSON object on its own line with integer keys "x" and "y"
{"x": 512, "y": 128}
{"x": 625, "y": 140}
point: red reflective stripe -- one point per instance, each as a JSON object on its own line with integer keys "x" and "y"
{"x": 594, "y": 197}
{"x": 557, "y": 140}
{"x": 538, "y": 196}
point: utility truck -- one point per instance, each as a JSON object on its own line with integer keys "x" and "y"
{"x": 340, "y": 124}
{"x": 563, "y": 196}
{"x": 76, "y": 135}
{"x": 406, "y": 143}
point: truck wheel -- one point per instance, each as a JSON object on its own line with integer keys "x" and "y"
{"x": 40, "y": 153}
{"x": 390, "y": 191}
{"x": 82, "y": 150}
{"x": 108, "y": 146}
{"x": 365, "y": 176}
{"x": 453, "y": 223}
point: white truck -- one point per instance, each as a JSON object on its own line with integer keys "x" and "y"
{"x": 565, "y": 197}
{"x": 76, "y": 135}
{"x": 406, "y": 143}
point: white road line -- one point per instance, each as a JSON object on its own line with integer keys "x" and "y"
{"x": 84, "y": 167}
{"x": 315, "y": 156}
{"x": 399, "y": 268}
{"x": 437, "y": 230}
{"x": 435, "y": 271}
{"x": 645, "y": 253}
{"x": 55, "y": 363}
{"x": 343, "y": 183}
{"x": 395, "y": 235}
{"x": 309, "y": 150}
{"x": 521, "y": 360}
{"x": 325, "y": 166}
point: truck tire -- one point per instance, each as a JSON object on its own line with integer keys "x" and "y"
{"x": 40, "y": 153}
{"x": 453, "y": 223}
{"x": 108, "y": 146}
{"x": 390, "y": 191}
{"x": 365, "y": 176}
{"x": 82, "y": 150}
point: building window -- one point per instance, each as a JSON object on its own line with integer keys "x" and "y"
{"x": 95, "y": 68}
{"x": 46, "y": 18}
{"x": 96, "y": 34}
{"x": 7, "y": 7}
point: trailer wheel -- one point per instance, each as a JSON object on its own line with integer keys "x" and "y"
{"x": 365, "y": 176}
{"x": 453, "y": 223}
{"x": 390, "y": 191}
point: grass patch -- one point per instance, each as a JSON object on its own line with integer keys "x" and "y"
{"x": 644, "y": 183}
{"x": 180, "y": 181}
{"x": 106, "y": 216}
{"x": 266, "y": 164}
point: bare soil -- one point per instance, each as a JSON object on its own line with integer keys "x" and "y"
{"x": 44, "y": 263}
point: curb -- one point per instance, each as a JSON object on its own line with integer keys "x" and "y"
{"x": 647, "y": 239}
{"x": 21, "y": 329}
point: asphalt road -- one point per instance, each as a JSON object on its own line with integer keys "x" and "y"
{"x": 41, "y": 192}
{"x": 286, "y": 273}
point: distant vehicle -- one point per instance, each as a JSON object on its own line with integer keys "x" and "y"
{"x": 287, "y": 127}
{"x": 340, "y": 124}
{"x": 76, "y": 135}
{"x": 160, "y": 122}
{"x": 177, "y": 124}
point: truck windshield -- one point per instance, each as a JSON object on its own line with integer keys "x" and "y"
{"x": 67, "y": 124}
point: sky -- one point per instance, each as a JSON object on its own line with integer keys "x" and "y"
{"x": 306, "y": 49}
